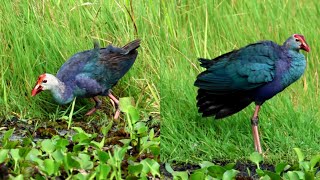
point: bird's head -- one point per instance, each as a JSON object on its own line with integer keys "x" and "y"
{"x": 297, "y": 42}
{"x": 44, "y": 82}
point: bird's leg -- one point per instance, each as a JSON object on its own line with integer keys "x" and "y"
{"x": 116, "y": 101}
{"x": 254, "y": 125}
{"x": 97, "y": 106}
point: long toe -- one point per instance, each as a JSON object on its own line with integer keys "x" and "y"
{"x": 116, "y": 115}
{"x": 91, "y": 111}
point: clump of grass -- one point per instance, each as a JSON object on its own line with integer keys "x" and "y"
{"x": 193, "y": 29}
{"x": 38, "y": 37}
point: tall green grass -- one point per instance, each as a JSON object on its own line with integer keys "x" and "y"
{"x": 39, "y": 36}
{"x": 200, "y": 28}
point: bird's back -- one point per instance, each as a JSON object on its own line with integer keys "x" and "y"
{"x": 256, "y": 72}
{"x": 94, "y": 72}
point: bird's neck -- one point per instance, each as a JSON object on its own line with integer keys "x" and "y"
{"x": 296, "y": 68}
{"x": 61, "y": 93}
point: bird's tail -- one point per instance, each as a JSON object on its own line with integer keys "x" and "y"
{"x": 132, "y": 45}
{"x": 221, "y": 106}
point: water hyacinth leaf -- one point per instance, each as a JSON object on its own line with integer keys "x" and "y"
{"x": 103, "y": 156}
{"x": 103, "y": 171}
{"x": 272, "y": 175}
{"x": 198, "y": 174}
{"x": 152, "y": 166}
{"x": 292, "y": 175}
{"x": 49, "y": 166}
{"x": 58, "y": 155}
{"x": 85, "y": 162}
{"x": 15, "y": 154}
{"x": 168, "y": 168}
{"x": 134, "y": 114}
{"x": 260, "y": 172}
{"x": 265, "y": 177}
{"x": 135, "y": 169}
{"x": 70, "y": 162}
{"x": 19, "y": 177}
{"x": 48, "y": 146}
{"x": 3, "y": 155}
{"x": 280, "y": 168}
{"x": 61, "y": 143}
{"x": 230, "y": 174}
{"x": 229, "y": 166}
{"x": 7, "y": 135}
{"x": 256, "y": 158}
{"x": 314, "y": 160}
{"x": 155, "y": 150}
{"x": 299, "y": 154}
{"x": 141, "y": 128}
{"x": 205, "y": 164}
{"x": 216, "y": 171}
{"x": 305, "y": 165}
{"x": 180, "y": 175}
{"x": 125, "y": 103}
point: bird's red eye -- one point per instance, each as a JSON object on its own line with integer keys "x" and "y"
{"x": 44, "y": 81}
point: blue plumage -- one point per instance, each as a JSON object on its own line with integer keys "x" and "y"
{"x": 89, "y": 73}
{"x": 254, "y": 73}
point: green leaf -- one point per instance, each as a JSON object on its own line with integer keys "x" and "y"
{"x": 19, "y": 177}
{"x": 125, "y": 103}
{"x": 280, "y": 168}
{"x": 229, "y": 166}
{"x": 103, "y": 156}
{"x": 265, "y": 177}
{"x": 292, "y": 175}
{"x": 216, "y": 171}
{"x": 49, "y": 166}
{"x": 135, "y": 169}
{"x": 299, "y": 154}
{"x": 48, "y": 146}
{"x": 85, "y": 162}
{"x": 230, "y": 174}
{"x": 62, "y": 144}
{"x": 314, "y": 160}
{"x": 305, "y": 165}
{"x": 155, "y": 150}
{"x": 15, "y": 154}
{"x": 152, "y": 166}
{"x": 3, "y": 155}
{"x": 180, "y": 175}
{"x": 58, "y": 155}
{"x": 141, "y": 128}
{"x": 272, "y": 175}
{"x": 134, "y": 114}
{"x": 7, "y": 135}
{"x": 197, "y": 175}
{"x": 205, "y": 164}
{"x": 260, "y": 172}
{"x": 256, "y": 158}
{"x": 103, "y": 171}
{"x": 168, "y": 168}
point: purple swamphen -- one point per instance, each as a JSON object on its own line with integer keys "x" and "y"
{"x": 89, "y": 74}
{"x": 254, "y": 73}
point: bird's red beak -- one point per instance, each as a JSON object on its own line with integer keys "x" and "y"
{"x": 36, "y": 89}
{"x": 305, "y": 46}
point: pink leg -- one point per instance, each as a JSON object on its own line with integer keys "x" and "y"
{"x": 254, "y": 125}
{"x": 116, "y": 101}
{"x": 97, "y": 106}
